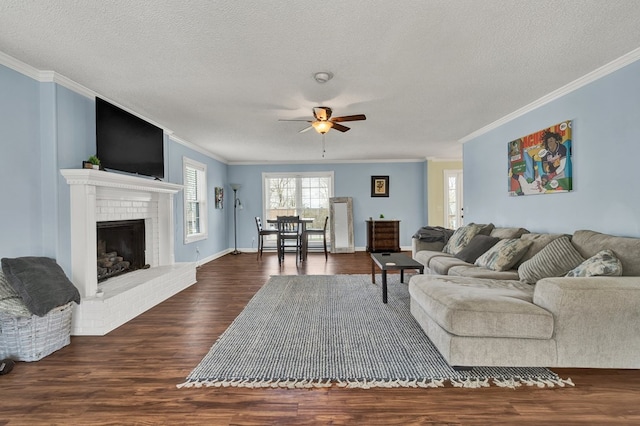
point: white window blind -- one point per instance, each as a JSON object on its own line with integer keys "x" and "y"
{"x": 195, "y": 200}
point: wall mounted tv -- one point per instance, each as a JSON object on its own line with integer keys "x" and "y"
{"x": 128, "y": 143}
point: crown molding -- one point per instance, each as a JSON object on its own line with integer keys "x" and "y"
{"x": 19, "y": 66}
{"x": 198, "y": 149}
{"x": 444, "y": 160}
{"x": 391, "y": 160}
{"x": 54, "y": 77}
{"x": 597, "y": 74}
{"x": 67, "y": 83}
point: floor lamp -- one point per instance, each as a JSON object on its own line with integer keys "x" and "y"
{"x": 236, "y": 204}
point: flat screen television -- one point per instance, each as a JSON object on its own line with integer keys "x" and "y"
{"x": 128, "y": 143}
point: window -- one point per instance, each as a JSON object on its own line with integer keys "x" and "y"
{"x": 195, "y": 200}
{"x": 298, "y": 194}
{"x": 453, "y": 217}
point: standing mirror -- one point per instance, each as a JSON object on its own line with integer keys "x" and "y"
{"x": 341, "y": 214}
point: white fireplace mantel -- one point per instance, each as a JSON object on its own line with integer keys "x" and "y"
{"x": 87, "y": 187}
{"x": 97, "y": 196}
{"x": 94, "y": 177}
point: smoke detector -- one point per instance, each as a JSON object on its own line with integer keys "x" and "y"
{"x": 323, "y": 76}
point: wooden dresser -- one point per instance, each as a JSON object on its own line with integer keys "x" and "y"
{"x": 383, "y": 235}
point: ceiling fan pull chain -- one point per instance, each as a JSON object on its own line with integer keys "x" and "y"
{"x": 323, "y": 150}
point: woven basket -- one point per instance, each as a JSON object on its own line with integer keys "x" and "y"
{"x": 33, "y": 338}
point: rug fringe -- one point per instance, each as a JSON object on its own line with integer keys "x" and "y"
{"x": 540, "y": 382}
{"x": 470, "y": 383}
{"x": 309, "y": 384}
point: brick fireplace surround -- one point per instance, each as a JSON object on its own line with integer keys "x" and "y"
{"x": 98, "y": 196}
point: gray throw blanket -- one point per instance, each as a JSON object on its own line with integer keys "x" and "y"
{"x": 40, "y": 282}
{"x": 431, "y": 234}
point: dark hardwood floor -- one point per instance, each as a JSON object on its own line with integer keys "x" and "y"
{"x": 130, "y": 375}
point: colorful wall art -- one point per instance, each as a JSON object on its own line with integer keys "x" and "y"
{"x": 540, "y": 163}
{"x": 219, "y": 194}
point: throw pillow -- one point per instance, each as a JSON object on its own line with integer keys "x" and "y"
{"x": 476, "y": 247}
{"x": 539, "y": 241}
{"x": 486, "y": 228}
{"x": 40, "y": 282}
{"x": 555, "y": 260}
{"x": 461, "y": 238}
{"x": 503, "y": 255}
{"x": 508, "y": 233}
{"x": 604, "y": 263}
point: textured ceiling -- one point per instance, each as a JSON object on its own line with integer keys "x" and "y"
{"x": 220, "y": 74}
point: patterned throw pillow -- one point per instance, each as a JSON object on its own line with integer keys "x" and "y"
{"x": 555, "y": 260}
{"x": 504, "y": 254}
{"x": 508, "y": 233}
{"x": 461, "y": 238}
{"x": 604, "y": 263}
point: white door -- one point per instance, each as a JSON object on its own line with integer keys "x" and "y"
{"x": 453, "y": 211}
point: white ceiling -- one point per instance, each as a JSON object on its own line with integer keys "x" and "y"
{"x": 220, "y": 74}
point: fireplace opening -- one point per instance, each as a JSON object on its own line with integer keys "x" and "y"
{"x": 121, "y": 247}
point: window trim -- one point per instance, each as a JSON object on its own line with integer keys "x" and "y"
{"x": 458, "y": 174}
{"x": 204, "y": 228}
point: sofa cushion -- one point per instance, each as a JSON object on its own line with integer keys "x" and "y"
{"x": 555, "y": 260}
{"x": 507, "y": 233}
{"x": 480, "y": 272}
{"x": 603, "y": 263}
{"x": 425, "y": 256}
{"x": 626, "y": 249}
{"x": 461, "y": 238}
{"x": 470, "y": 307}
{"x": 538, "y": 242}
{"x": 504, "y": 254}
{"x": 476, "y": 247}
{"x": 440, "y": 265}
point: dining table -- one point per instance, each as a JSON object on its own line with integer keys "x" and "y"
{"x": 303, "y": 226}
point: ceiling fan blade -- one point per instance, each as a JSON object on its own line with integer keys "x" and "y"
{"x": 356, "y": 117}
{"x": 340, "y": 127}
{"x": 295, "y": 119}
{"x": 306, "y": 129}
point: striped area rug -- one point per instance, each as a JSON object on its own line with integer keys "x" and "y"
{"x": 305, "y": 331}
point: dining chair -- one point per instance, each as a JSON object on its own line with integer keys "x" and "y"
{"x": 311, "y": 231}
{"x": 261, "y": 234}
{"x": 288, "y": 230}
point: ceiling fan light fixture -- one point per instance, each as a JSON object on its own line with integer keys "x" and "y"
{"x": 323, "y": 76}
{"x": 322, "y": 127}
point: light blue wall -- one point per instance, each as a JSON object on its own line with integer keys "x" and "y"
{"x": 217, "y": 221}
{"x": 405, "y": 202}
{"x": 20, "y": 166}
{"x": 72, "y": 140}
{"x": 606, "y": 149}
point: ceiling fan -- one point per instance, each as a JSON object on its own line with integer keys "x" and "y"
{"x": 324, "y": 122}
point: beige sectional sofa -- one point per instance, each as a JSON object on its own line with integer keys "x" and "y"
{"x": 531, "y": 314}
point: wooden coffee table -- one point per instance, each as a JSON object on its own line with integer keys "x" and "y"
{"x": 392, "y": 261}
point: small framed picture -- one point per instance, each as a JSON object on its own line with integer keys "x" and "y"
{"x": 379, "y": 186}
{"x": 219, "y": 193}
